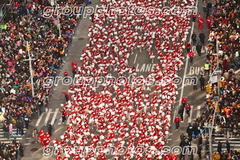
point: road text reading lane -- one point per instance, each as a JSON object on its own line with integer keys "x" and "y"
{"x": 145, "y": 67}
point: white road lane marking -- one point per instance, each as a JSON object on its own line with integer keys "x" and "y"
{"x": 198, "y": 111}
{"x": 185, "y": 70}
{"x": 27, "y": 144}
{"x": 135, "y": 58}
{"x": 48, "y": 115}
{"x": 190, "y": 117}
{"x": 54, "y": 116}
{"x": 39, "y": 119}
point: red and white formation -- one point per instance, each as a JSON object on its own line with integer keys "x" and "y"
{"x": 116, "y": 117}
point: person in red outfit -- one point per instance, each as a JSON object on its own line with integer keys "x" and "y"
{"x": 41, "y": 135}
{"x": 45, "y": 139}
{"x": 67, "y": 96}
{"x": 208, "y": 21}
{"x": 173, "y": 157}
{"x": 177, "y": 122}
{"x": 184, "y": 100}
{"x": 65, "y": 74}
{"x": 191, "y": 55}
{"x": 48, "y": 136}
{"x": 74, "y": 67}
{"x": 200, "y": 23}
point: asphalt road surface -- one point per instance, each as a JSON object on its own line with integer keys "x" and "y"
{"x": 143, "y": 65}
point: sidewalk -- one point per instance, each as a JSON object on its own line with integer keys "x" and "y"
{"x": 196, "y": 98}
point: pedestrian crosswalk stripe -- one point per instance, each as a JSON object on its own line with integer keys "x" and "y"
{"x": 14, "y": 129}
{"x": 11, "y": 138}
{"x": 13, "y": 134}
{"x": 48, "y": 115}
{"x": 8, "y": 141}
{"x": 27, "y": 144}
{"x": 4, "y": 135}
{"x": 39, "y": 119}
{"x": 54, "y": 116}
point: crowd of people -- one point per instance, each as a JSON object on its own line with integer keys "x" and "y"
{"x": 223, "y": 40}
{"x": 225, "y": 29}
{"x": 24, "y": 24}
{"x": 121, "y": 114}
{"x": 11, "y": 150}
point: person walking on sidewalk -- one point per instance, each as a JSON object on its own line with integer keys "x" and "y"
{"x": 182, "y": 145}
{"x": 21, "y": 149}
{"x": 187, "y": 109}
{"x": 199, "y": 152}
{"x": 190, "y": 131}
{"x": 188, "y": 47}
{"x": 202, "y": 83}
{"x": 194, "y": 16}
{"x": 177, "y": 122}
{"x": 206, "y": 67}
{"x": 10, "y": 129}
{"x": 195, "y": 128}
{"x": 18, "y": 125}
{"x": 202, "y": 37}
{"x": 184, "y": 101}
{"x": 180, "y": 112}
{"x": 21, "y": 127}
{"x": 49, "y": 129}
{"x": 191, "y": 55}
{"x": 194, "y": 38}
{"x": 199, "y": 48}
{"x": 35, "y": 135}
{"x": 26, "y": 119}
